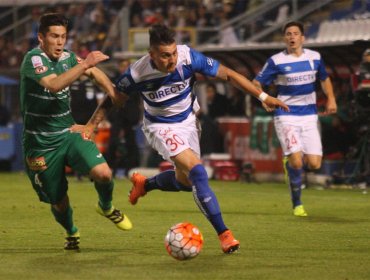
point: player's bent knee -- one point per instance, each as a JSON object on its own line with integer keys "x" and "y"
{"x": 62, "y": 205}
{"x": 101, "y": 173}
{"x": 314, "y": 166}
{"x": 296, "y": 164}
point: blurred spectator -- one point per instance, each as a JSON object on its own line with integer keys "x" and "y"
{"x": 338, "y": 126}
{"x": 216, "y": 102}
{"x": 181, "y": 22}
{"x": 122, "y": 66}
{"x": 4, "y": 116}
{"x": 80, "y": 21}
{"x": 136, "y": 21}
{"x": 364, "y": 74}
{"x": 236, "y": 104}
{"x": 34, "y": 26}
{"x": 84, "y": 94}
{"x": 240, "y": 6}
{"x": 260, "y": 129}
{"x": 11, "y": 56}
{"x": 2, "y": 48}
{"x": 123, "y": 153}
{"x": 204, "y": 17}
{"x": 82, "y": 49}
{"x": 362, "y": 87}
{"x": 6, "y": 140}
{"x": 23, "y": 47}
{"x": 227, "y": 33}
{"x": 211, "y": 140}
{"x": 99, "y": 29}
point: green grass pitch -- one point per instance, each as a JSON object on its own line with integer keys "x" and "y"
{"x": 332, "y": 243}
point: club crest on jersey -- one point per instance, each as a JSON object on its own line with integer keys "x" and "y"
{"x": 287, "y": 68}
{"x": 209, "y": 61}
{"x": 41, "y": 69}
{"x": 37, "y": 164}
{"x": 36, "y": 61}
{"x": 65, "y": 67}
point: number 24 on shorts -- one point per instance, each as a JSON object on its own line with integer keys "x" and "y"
{"x": 290, "y": 142}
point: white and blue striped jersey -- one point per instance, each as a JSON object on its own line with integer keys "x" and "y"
{"x": 295, "y": 78}
{"x": 168, "y": 97}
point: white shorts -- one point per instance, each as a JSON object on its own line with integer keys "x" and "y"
{"x": 170, "y": 139}
{"x": 299, "y": 133}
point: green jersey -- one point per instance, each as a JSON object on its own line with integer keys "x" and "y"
{"x": 46, "y": 115}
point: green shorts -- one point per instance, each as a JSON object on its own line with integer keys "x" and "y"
{"x": 46, "y": 169}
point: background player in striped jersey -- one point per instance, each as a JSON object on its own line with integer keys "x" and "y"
{"x": 294, "y": 71}
{"x": 165, "y": 79}
{"x": 46, "y": 74}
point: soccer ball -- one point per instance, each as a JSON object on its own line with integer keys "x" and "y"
{"x": 183, "y": 241}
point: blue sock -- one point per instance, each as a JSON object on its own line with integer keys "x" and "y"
{"x": 205, "y": 198}
{"x": 165, "y": 181}
{"x": 105, "y": 192}
{"x": 295, "y": 183}
{"x": 65, "y": 219}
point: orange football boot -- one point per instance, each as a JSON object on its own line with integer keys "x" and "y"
{"x": 228, "y": 243}
{"x": 137, "y": 190}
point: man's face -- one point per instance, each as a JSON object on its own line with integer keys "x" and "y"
{"x": 293, "y": 38}
{"x": 366, "y": 58}
{"x": 53, "y": 42}
{"x": 164, "y": 57}
{"x": 210, "y": 93}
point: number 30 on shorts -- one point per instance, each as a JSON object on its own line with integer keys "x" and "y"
{"x": 174, "y": 142}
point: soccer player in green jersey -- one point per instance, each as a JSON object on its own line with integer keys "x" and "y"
{"x": 48, "y": 142}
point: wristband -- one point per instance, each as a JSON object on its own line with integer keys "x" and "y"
{"x": 263, "y": 96}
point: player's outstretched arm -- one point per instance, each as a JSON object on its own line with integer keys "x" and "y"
{"x": 56, "y": 83}
{"x": 247, "y": 86}
{"x": 258, "y": 85}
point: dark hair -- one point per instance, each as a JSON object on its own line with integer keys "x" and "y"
{"x": 52, "y": 19}
{"x": 161, "y": 35}
{"x": 294, "y": 23}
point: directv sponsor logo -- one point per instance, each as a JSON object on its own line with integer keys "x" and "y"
{"x": 164, "y": 91}
{"x": 301, "y": 78}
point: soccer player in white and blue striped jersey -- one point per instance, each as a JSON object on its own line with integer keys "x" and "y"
{"x": 294, "y": 71}
{"x": 165, "y": 78}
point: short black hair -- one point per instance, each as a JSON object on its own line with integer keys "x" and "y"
{"x": 294, "y": 23}
{"x": 52, "y": 19}
{"x": 161, "y": 35}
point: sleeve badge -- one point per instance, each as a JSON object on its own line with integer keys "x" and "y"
{"x": 41, "y": 69}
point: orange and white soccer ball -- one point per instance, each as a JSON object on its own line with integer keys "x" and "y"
{"x": 183, "y": 241}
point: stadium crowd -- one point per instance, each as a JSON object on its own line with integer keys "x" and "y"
{"x": 90, "y": 22}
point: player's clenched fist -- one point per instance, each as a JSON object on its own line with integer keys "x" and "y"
{"x": 94, "y": 58}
